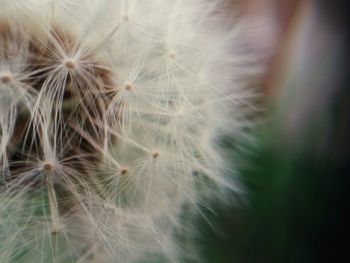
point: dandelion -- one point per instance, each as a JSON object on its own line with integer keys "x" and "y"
{"x": 111, "y": 113}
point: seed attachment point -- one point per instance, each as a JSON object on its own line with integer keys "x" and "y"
{"x": 128, "y": 86}
{"x": 155, "y": 155}
{"x": 6, "y": 78}
{"x": 70, "y": 64}
{"x": 48, "y": 167}
{"x": 124, "y": 171}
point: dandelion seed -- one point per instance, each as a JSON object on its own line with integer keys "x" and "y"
{"x": 155, "y": 155}
{"x": 70, "y": 64}
{"x": 48, "y": 167}
{"x": 129, "y": 86}
{"x": 172, "y": 55}
{"x": 6, "y": 78}
{"x": 126, "y": 18}
{"x": 124, "y": 171}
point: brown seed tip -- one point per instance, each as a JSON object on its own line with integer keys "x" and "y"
{"x": 6, "y": 78}
{"x": 55, "y": 231}
{"x": 195, "y": 173}
{"x": 48, "y": 167}
{"x": 129, "y": 86}
{"x": 126, "y": 18}
{"x": 155, "y": 155}
{"x": 56, "y": 228}
{"x": 70, "y": 64}
{"x": 124, "y": 171}
{"x": 172, "y": 55}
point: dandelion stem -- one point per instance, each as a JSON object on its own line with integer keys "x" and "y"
{"x": 55, "y": 226}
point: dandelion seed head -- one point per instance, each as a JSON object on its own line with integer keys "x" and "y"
{"x": 109, "y": 133}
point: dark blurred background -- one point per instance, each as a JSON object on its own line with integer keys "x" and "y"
{"x": 297, "y": 179}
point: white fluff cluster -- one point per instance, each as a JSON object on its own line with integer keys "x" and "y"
{"x": 111, "y": 113}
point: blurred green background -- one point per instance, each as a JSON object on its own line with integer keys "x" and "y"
{"x": 296, "y": 206}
